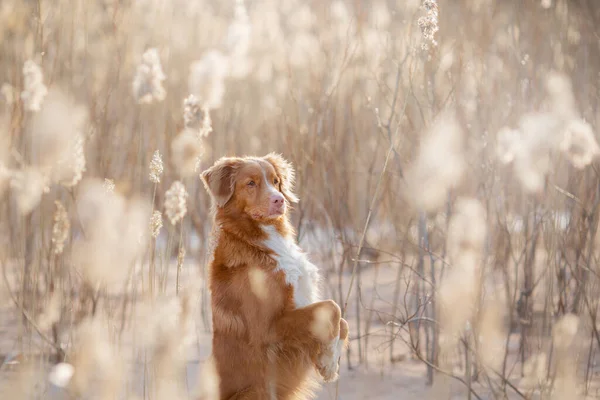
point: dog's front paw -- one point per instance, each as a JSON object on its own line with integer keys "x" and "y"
{"x": 325, "y": 325}
{"x": 328, "y": 363}
{"x": 329, "y": 359}
{"x": 331, "y": 330}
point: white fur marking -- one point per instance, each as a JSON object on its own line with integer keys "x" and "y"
{"x": 329, "y": 359}
{"x": 337, "y": 354}
{"x": 299, "y": 272}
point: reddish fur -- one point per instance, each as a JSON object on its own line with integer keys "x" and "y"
{"x": 257, "y": 343}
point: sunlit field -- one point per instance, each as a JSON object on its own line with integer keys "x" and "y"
{"x": 447, "y": 165}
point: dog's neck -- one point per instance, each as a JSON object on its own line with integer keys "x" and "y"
{"x": 247, "y": 229}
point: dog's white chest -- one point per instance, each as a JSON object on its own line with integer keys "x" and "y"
{"x": 299, "y": 272}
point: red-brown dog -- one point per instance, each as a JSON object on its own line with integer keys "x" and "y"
{"x": 270, "y": 330}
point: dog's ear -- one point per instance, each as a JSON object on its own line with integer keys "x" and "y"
{"x": 286, "y": 175}
{"x": 219, "y": 180}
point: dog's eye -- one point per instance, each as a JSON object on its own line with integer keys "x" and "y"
{"x": 251, "y": 183}
{"x": 276, "y": 181}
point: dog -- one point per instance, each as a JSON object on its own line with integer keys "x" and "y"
{"x": 272, "y": 337}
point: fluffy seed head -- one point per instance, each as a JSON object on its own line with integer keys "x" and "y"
{"x": 440, "y": 164}
{"x": 29, "y": 185}
{"x": 175, "y": 202}
{"x": 34, "y": 90}
{"x": 166, "y": 321}
{"x": 196, "y": 117}
{"x": 56, "y": 138}
{"x": 459, "y": 290}
{"x": 60, "y": 375}
{"x": 467, "y": 227}
{"x": 76, "y": 162}
{"x": 156, "y": 223}
{"x": 169, "y": 347}
{"x": 192, "y": 112}
{"x": 507, "y": 144}
{"x": 95, "y": 360}
{"x": 457, "y": 297}
{"x": 206, "y": 127}
{"x": 180, "y": 257}
{"x": 109, "y": 185}
{"x": 156, "y": 167}
{"x": 147, "y": 83}
{"x": 429, "y": 23}
{"x": 60, "y": 229}
{"x": 579, "y": 144}
{"x": 539, "y": 137}
{"x": 560, "y": 95}
{"x": 187, "y": 151}
{"x": 116, "y": 230}
{"x": 207, "y": 78}
{"x": 237, "y": 42}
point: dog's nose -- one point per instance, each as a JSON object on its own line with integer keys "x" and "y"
{"x": 277, "y": 199}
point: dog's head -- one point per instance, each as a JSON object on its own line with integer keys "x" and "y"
{"x": 258, "y": 187}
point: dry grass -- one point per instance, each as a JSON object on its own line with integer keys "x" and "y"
{"x": 446, "y": 156}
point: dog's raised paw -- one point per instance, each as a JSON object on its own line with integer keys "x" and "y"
{"x": 328, "y": 364}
